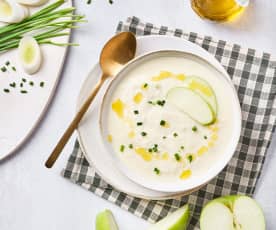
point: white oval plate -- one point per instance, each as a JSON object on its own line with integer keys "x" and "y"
{"x": 21, "y": 113}
{"x": 89, "y": 132}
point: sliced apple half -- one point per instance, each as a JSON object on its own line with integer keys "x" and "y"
{"x": 177, "y": 220}
{"x": 105, "y": 221}
{"x": 192, "y": 104}
{"x": 232, "y": 213}
{"x": 204, "y": 89}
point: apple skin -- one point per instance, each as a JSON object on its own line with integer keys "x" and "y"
{"x": 211, "y": 100}
{"x": 177, "y": 220}
{"x": 194, "y": 99}
{"x": 106, "y": 221}
{"x": 230, "y": 201}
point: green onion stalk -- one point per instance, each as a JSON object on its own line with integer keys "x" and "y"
{"x": 47, "y": 23}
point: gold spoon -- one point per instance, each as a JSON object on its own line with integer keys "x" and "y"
{"x": 117, "y": 51}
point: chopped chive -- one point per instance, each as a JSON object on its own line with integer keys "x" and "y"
{"x": 21, "y": 84}
{"x": 157, "y": 171}
{"x": 31, "y": 83}
{"x": 143, "y": 134}
{"x": 145, "y": 85}
{"x": 161, "y": 103}
{"x": 130, "y": 146}
{"x": 24, "y": 80}
{"x": 175, "y": 134}
{"x": 177, "y": 157}
{"x": 136, "y": 112}
{"x": 13, "y": 84}
{"x": 150, "y": 150}
{"x": 205, "y": 137}
{"x": 151, "y": 102}
{"x": 3, "y": 69}
{"x": 122, "y": 148}
{"x": 190, "y": 158}
{"x": 155, "y": 148}
{"x": 139, "y": 123}
{"x": 41, "y": 84}
{"x": 24, "y": 91}
{"x": 162, "y": 123}
{"x": 182, "y": 147}
{"x": 6, "y": 90}
{"x": 164, "y": 137}
{"x": 7, "y": 63}
{"x": 14, "y": 69}
{"x": 194, "y": 128}
{"x": 110, "y": 1}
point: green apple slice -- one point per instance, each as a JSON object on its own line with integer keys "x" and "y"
{"x": 204, "y": 89}
{"x": 177, "y": 220}
{"x": 192, "y": 104}
{"x": 232, "y": 213}
{"x": 105, "y": 221}
{"x": 248, "y": 214}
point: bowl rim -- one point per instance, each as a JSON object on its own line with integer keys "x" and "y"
{"x": 133, "y": 176}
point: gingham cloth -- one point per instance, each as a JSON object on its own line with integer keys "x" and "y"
{"x": 253, "y": 74}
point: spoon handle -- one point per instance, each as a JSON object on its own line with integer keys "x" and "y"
{"x": 73, "y": 125}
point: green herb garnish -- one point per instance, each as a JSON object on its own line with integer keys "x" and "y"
{"x": 14, "y": 69}
{"x": 7, "y": 63}
{"x": 182, "y": 147}
{"x": 158, "y": 102}
{"x": 130, "y": 146}
{"x": 6, "y": 90}
{"x": 31, "y": 83}
{"x": 41, "y": 84}
{"x": 190, "y": 158}
{"x": 205, "y": 137}
{"x": 143, "y": 134}
{"x": 175, "y": 134}
{"x": 24, "y": 80}
{"x": 23, "y": 91}
{"x": 3, "y": 69}
{"x": 161, "y": 103}
{"x": 164, "y": 137}
{"x": 162, "y": 123}
{"x": 145, "y": 85}
{"x": 122, "y": 148}
{"x": 157, "y": 171}
{"x": 136, "y": 112}
{"x": 139, "y": 123}
{"x": 177, "y": 157}
{"x": 13, "y": 85}
{"x": 155, "y": 148}
{"x": 21, "y": 84}
{"x": 194, "y": 128}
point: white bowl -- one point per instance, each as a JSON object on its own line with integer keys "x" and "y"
{"x": 190, "y": 184}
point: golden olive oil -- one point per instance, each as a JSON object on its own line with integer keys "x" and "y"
{"x": 219, "y": 10}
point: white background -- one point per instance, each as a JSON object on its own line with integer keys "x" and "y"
{"x": 33, "y": 197}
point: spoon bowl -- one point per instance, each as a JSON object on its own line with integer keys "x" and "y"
{"x": 114, "y": 57}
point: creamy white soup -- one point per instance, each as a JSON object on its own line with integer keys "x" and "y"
{"x": 170, "y": 119}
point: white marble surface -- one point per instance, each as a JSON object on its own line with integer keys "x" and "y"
{"x": 33, "y": 197}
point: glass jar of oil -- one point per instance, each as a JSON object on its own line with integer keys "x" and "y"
{"x": 219, "y": 10}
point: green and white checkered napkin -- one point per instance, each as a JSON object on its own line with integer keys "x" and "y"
{"x": 254, "y": 76}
